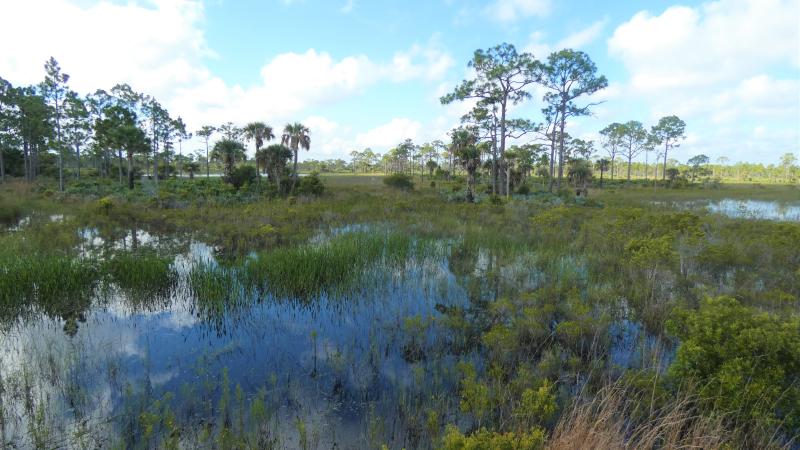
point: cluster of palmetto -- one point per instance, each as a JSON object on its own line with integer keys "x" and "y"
{"x": 271, "y": 160}
{"x": 504, "y": 78}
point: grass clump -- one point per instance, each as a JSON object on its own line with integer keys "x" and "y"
{"x": 332, "y": 267}
{"x": 143, "y": 274}
{"x": 57, "y": 285}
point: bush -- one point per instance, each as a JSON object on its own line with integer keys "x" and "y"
{"x": 311, "y": 185}
{"x": 746, "y": 363}
{"x": 242, "y": 175}
{"x": 399, "y": 181}
{"x": 524, "y": 190}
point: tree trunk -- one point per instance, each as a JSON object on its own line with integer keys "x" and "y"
{"x": 77, "y": 161}
{"x": 561, "y": 147}
{"x": 613, "y": 157}
{"x": 26, "y": 159}
{"x": 130, "y": 170}
{"x": 294, "y": 175}
{"x": 630, "y": 159}
{"x": 119, "y": 159}
{"x": 666, "y": 147}
{"x": 208, "y": 170}
{"x": 2, "y": 167}
{"x": 503, "y": 136}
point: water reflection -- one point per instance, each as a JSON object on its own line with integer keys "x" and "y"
{"x": 336, "y": 363}
{"x": 748, "y": 209}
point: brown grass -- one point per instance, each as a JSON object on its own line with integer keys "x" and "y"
{"x": 606, "y": 422}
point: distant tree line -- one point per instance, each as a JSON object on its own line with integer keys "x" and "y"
{"x": 49, "y": 129}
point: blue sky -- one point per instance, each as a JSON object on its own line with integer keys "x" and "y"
{"x": 369, "y": 73}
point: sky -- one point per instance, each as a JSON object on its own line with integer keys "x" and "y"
{"x": 365, "y": 73}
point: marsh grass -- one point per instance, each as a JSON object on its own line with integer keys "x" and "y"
{"x": 332, "y": 267}
{"x": 56, "y": 284}
{"x": 142, "y": 275}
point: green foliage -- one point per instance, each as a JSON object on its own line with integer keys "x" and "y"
{"x": 484, "y": 439}
{"x": 333, "y": 267}
{"x": 399, "y": 181}
{"x": 745, "y": 363}
{"x": 311, "y": 185}
{"x": 142, "y": 274}
{"x": 242, "y": 176}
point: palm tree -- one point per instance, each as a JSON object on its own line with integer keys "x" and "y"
{"x": 468, "y": 154}
{"x": 258, "y": 132}
{"x": 262, "y": 159}
{"x": 227, "y": 151}
{"x": 295, "y": 136}
{"x": 579, "y": 173}
{"x": 192, "y": 167}
{"x": 602, "y": 165}
{"x": 276, "y": 156}
{"x": 205, "y": 132}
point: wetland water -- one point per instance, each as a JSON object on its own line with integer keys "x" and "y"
{"x": 348, "y": 370}
{"x": 748, "y": 209}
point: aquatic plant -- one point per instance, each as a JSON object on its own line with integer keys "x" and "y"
{"x": 332, "y": 267}
{"x": 143, "y": 275}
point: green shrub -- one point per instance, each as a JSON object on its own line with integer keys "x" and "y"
{"x": 484, "y": 439}
{"x": 744, "y": 362}
{"x": 311, "y": 185}
{"x": 242, "y": 175}
{"x": 399, "y": 181}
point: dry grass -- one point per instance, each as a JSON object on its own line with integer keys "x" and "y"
{"x": 605, "y": 422}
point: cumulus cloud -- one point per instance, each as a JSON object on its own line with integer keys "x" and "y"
{"x": 728, "y": 66}
{"x": 390, "y": 134}
{"x": 537, "y": 42}
{"x": 719, "y": 41}
{"x": 157, "y": 46}
{"x": 512, "y": 10}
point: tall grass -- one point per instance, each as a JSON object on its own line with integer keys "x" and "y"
{"x": 610, "y": 420}
{"x": 56, "y": 284}
{"x": 332, "y": 267}
{"x": 143, "y": 275}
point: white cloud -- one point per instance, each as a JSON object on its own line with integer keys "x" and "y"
{"x": 348, "y": 6}
{"x": 154, "y": 47}
{"x": 720, "y": 41}
{"x": 390, "y": 134}
{"x": 725, "y": 67}
{"x": 512, "y": 10}
{"x": 583, "y": 37}
{"x": 577, "y": 40}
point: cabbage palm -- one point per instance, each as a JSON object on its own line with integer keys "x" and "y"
{"x": 466, "y": 151}
{"x": 276, "y": 157}
{"x": 258, "y": 132}
{"x": 580, "y": 172}
{"x": 227, "y": 151}
{"x": 602, "y": 165}
{"x": 296, "y": 136}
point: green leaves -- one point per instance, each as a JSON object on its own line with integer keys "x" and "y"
{"x": 745, "y": 363}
